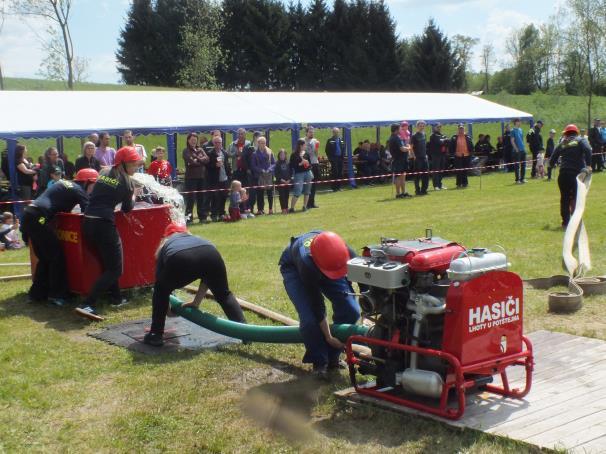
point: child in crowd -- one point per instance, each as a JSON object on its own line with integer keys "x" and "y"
{"x": 245, "y": 212}
{"x": 9, "y": 232}
{"x": 235, "y": 199}
{"x": 283, "y": 175}
{"x": 540, "y": 165}
{"x": 160, "y": 168}
{"x": 55, "y": 175}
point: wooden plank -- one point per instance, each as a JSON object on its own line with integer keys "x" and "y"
{"x": 537, "y": 400}
{"x": 565, "y": 409}
{"x": 552, "y": 417}
{"x": 597, "y": 445}
{"x": 574, "y": 433}
{"x": 275, "y": 316}
{"x": 15, "y": 278}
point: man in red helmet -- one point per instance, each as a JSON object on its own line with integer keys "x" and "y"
{"x": 314, "y": 265}
{"x": 575, "y": 156}
{"x": 50, "y": 278}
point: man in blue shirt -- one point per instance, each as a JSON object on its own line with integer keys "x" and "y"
{"x": 518, "y": 152}
{"x": 314, "y": 266}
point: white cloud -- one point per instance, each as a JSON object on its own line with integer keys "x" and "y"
{"x": 102, "y": 68}
{"x": 21, "y": 52}
{"x": 20, "y": 46}
{"x": 498, "y": 27}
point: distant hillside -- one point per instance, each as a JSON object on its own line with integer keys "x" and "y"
{"x": 13, "y": 83}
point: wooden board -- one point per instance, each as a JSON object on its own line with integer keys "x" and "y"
{"x": 565, "y": 409}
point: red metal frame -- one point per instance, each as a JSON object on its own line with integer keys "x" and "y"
{"x": 455, "y": 378}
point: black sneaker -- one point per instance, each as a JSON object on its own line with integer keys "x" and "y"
{"x": 88, "y": 312}
{"x": 153, "y": 339}
{"x": 291, "y": 210}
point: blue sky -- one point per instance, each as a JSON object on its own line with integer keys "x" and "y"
{"x": 96, "y": 26}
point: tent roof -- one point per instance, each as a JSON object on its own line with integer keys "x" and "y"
{"x": 76, "y": 113}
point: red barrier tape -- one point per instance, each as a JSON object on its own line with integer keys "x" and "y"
{"x": 340, "y": 180}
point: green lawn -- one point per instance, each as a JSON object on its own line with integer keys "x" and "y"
{"x": 64, "y": 391}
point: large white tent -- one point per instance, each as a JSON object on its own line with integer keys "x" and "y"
{"x": 41, "y": 114}
{"x": 26, "y": 114}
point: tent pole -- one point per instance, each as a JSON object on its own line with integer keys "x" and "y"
{"x": 60, "y": 145}
{"x": 267, "y": 134}
{"x": 350, "y": 169}
{"x": 378, "y": 135}
{"x": 118, "y": 141}
{"x": 502, "y": 128}
{"x": 12, "y": 170}
{"x": 171, "y": 148}
{"x": 470, "y": 130}
{"x": 294, "y": 136}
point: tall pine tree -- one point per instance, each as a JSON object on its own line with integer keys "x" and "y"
{"x": 432, "y": 62}
{"x": 135, "y": 45}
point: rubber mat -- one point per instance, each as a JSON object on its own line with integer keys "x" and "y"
{"x": 180, "y": 334}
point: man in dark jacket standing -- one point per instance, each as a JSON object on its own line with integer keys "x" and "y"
{"x": 218, "y": 173}
{"x": 335, "y": 148}
{"x": 438, "y": 153}
{"x": 596, "y": 142}
{"x": 535, "y": 143}
{"x": 419, "y": 147}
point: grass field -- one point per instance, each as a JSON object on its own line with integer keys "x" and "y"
{"x": 64, "y": 391}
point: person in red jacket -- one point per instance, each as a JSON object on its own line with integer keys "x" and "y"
{"x": 160, "y": 168}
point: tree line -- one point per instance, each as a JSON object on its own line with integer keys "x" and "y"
{"x": 271, "y": 45}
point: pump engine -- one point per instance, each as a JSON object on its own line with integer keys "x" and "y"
{"x": 446, "y": 319}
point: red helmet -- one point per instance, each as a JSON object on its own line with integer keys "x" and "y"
{"x": 126, "y": 154}
{"x": 330, "y": 253}
{"x": 87, "y": 175}
{"x": 571, "y": 129}
{"x": 174, "y": 228}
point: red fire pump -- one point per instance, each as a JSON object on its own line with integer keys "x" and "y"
{"x": 446, "y": 320}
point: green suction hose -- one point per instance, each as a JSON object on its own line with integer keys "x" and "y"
{"x": 256, "y": 333}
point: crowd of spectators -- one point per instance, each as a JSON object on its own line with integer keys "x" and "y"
{"x": 263, "y": 178}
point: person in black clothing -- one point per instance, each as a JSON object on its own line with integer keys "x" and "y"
{"x": 218, "y": 173}
{"x": 596, "y": 142}
{"x": 535, "y": 143}
{"x": 575, "y": 155}
{"x": 507, "y": 149}
{"x": 50, "y": 279}
{"x": 283, "y": 176}
{"x": 87, "y": 160}
{"x": 549, "y": 151}
{"x": 399, "y": 164}
{"x": 113, "y": 186}
{"x": 335, "y": 150}
{"x": 195, "y": 174}
{"x": 181, "y": 259}
{"x": 51, "y": 162}
{"x": 438, "y": 153}
{"x": 419, "y": 147}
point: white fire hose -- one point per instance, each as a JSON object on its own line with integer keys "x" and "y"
{"x": 578, "y": 284}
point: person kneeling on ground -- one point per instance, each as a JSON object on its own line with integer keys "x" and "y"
{"x": 181, "y": 259}
{"x": 50, "y": 279}
{"x": 312, "y": 266}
